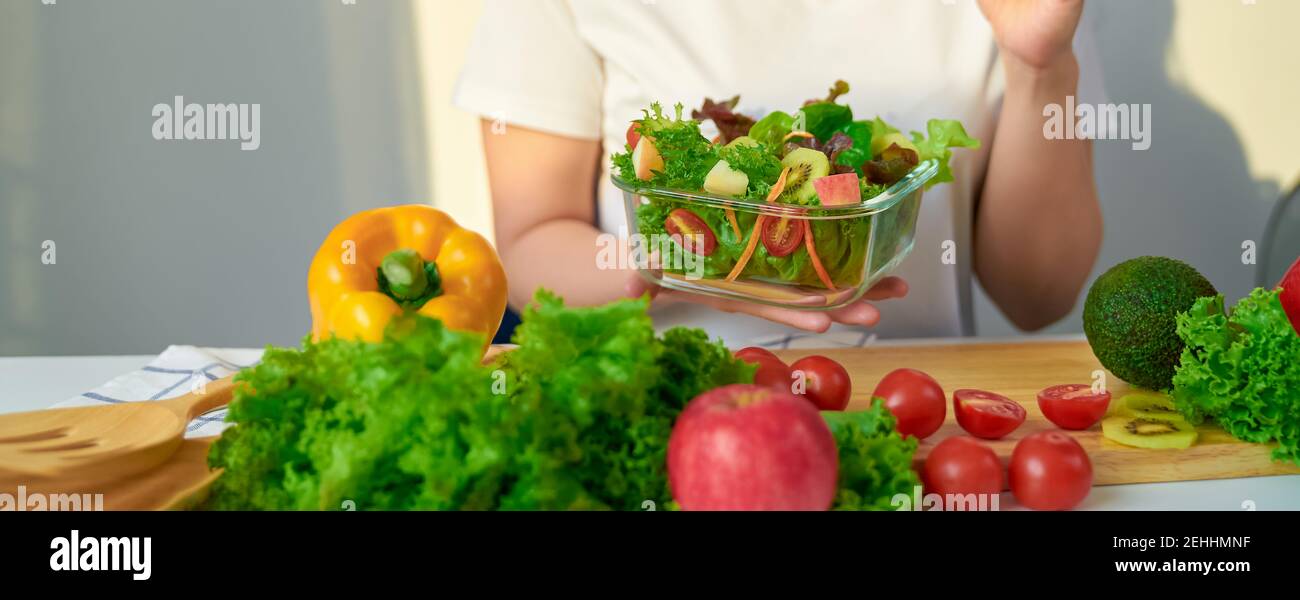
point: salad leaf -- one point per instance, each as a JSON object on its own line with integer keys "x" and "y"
{"x": 770, "y": 131}
{"x": 1242, "y": 370}
{"x": 577, "y": 417}
{"x": 730, "y": 124}
{"x": 875, "y": 461}
{"x": 824, "y": 119}
{"x": 859, "y": 152}
{"x": 943, "y": 134}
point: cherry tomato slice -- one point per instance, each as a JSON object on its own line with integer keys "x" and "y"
{"x": 1073, "y": 405}
{"x": 826, "y": 382}
{"x": 1049, "y": 470}
{"x": 690, "y": 232}
{"x": 782, "y": 236}
{"x": 962, "y": 465}
{"x": 916, "y": 401}
{"x": 985, "y": 414}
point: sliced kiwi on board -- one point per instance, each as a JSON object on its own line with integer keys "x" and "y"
{"x": 1147, "y": 432}
{"x": 1155, "y": 406}
{"x": 806, "y": 165}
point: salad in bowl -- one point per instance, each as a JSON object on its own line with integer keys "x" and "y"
{"x": 807, "y": 209}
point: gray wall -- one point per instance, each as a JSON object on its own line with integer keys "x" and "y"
{"x": 197, "y": 242}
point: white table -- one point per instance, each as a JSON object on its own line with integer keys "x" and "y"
{"x": 31, "y": 383}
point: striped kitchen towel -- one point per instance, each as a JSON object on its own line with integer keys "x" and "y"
{"x": 177, "y": 371}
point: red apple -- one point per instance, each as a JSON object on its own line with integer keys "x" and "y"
{"x": 1290, "y": 295}
{"x": 748, "y": 447}
{"x": 838, "y": 190}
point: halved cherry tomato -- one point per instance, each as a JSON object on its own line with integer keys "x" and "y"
{"x": 962, "y": 465}
{"x": 826, "y": 382}
{"x": 1049, "y": 470}
{"x": 1073, "y": 405}
{"x": 916, "y": 401}
{"x": 985, "y": 414}
{"x": 690, "y": 232}
{"x": 772, "y": 371}
{"x": 633, "y": 135}
{"x": 782, "y": 236}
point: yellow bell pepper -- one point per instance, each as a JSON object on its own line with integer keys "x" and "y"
{"x": 379, "y": 263}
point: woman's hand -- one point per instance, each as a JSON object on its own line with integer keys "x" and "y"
{"x": 1034, "y": 33}
{"x": 859, "y": 313}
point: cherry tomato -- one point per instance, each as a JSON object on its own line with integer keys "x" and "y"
{"x": 755, "y": 351}
{"x": 826, "y": 382}
{"x": 962, "y": 465}
{"x": 1050, "y": 471}
{"x": 915, "y": 399}
{"x": 782, "y": 236}
{"x": 772, "y": 372}
{"x": 690, "y": 232}
{"x": 1073, "y": 405}
{"x": 633, "y": 135}
{"x": 985, "y": 414}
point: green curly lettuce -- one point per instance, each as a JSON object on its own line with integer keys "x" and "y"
{"x": 578, "y": 417}
{"x": 875, "y": 460}
{"x": 1242, "y": 370}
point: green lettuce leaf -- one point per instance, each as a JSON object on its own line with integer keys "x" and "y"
{"x": 875, "y": 461}
{"x": 942, "y": 135}
{"x": 1242, "y": 370}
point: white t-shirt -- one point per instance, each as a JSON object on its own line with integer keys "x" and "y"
{"x": 586, "y": 68}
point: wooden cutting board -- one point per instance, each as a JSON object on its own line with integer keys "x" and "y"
{"x": 1018, "y": 371}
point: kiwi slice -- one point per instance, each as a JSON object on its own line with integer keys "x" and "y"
{"x": 1147, "y": 432}
{"x": 1154, "y": 406}
{"x": 806, "y": 165}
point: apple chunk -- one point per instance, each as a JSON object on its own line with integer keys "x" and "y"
{"x": 646, "y": 159}
{"x": 838, "y": 190}
{"x": 725, "y": 181}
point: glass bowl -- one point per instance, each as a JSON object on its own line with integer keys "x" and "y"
{"x": 855, "y": 245}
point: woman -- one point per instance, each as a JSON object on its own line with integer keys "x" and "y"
{"x": 557, "y": 82}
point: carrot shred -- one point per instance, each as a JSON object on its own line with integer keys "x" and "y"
{"x": 779, "y": 187}
{"x": 816, "y": 260}
{"x": 758, "y": 227}
{"x": 796, "y": 134}
{"x": 735, "y": 226}
{"x": 749, "y": 249}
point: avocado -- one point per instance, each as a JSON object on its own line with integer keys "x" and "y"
{"x": 1129, "y": 317}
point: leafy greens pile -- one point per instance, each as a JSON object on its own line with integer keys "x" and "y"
{"x": 577, "y": 417}
{"x": 1242, "y": 370}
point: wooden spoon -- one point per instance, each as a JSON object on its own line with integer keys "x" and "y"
{"x": 98, "y": 443}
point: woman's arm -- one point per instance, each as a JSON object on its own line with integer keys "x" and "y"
{"x": 543, "y": 205}
{"x": 1038, "y": 224}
